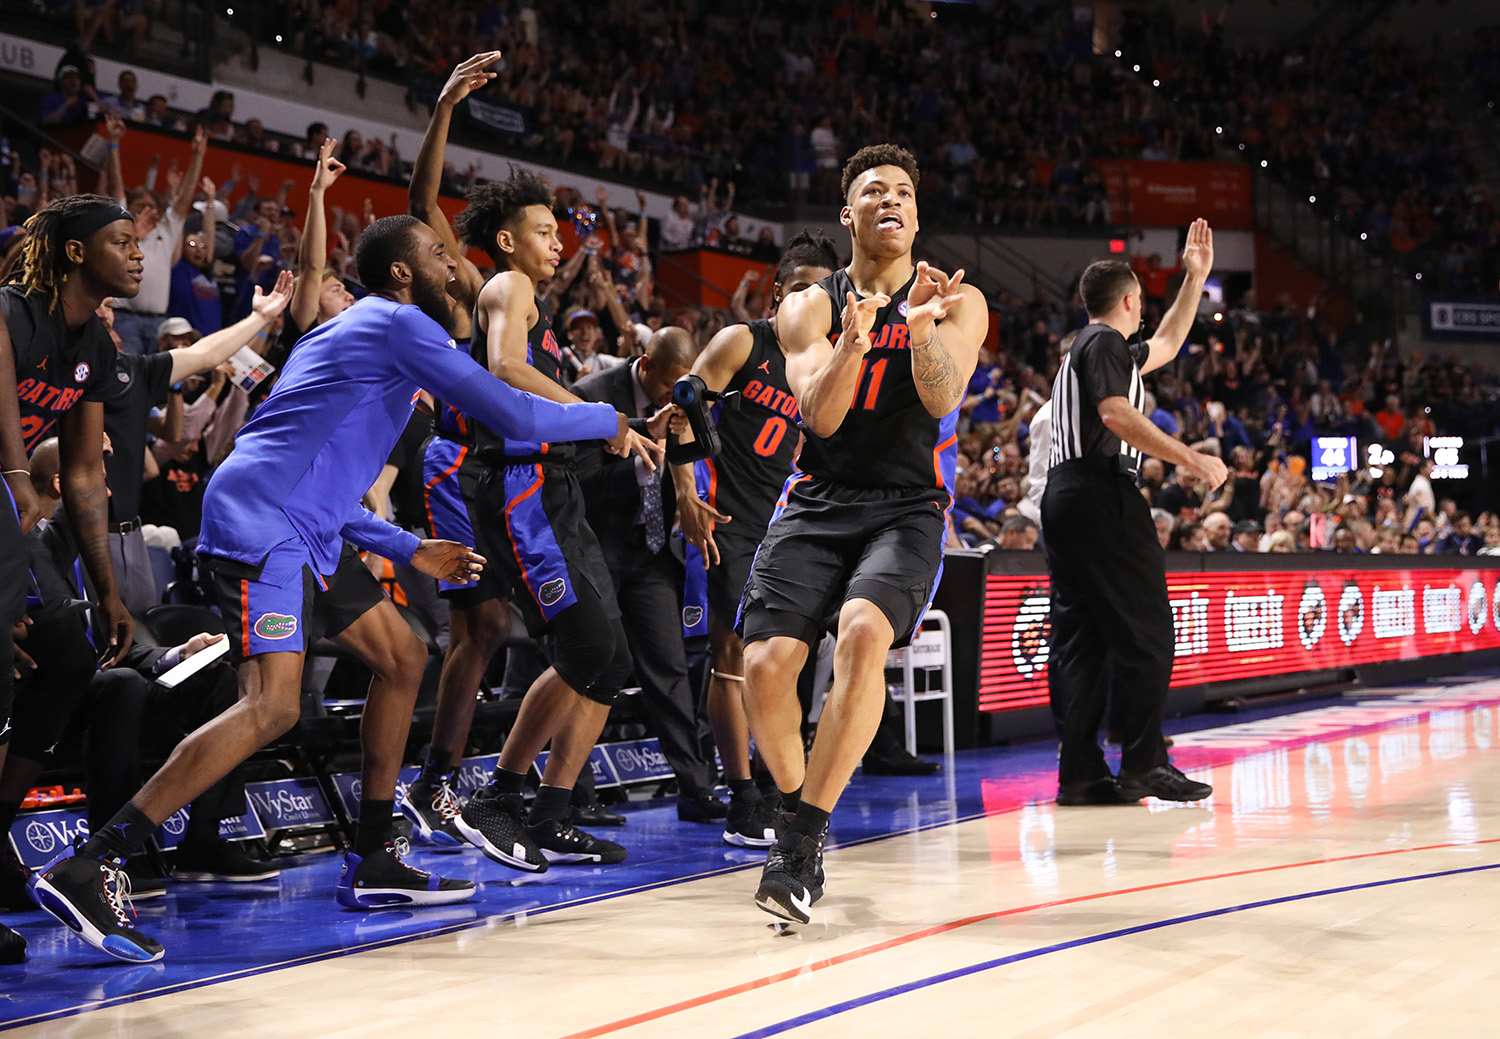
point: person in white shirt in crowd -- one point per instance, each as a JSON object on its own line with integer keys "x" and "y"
{"x": 1420, "y": 500}
{"x": 678, "y": 225}
{"x": 160, "y": 229}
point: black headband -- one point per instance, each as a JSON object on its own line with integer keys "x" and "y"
{"x": 81, "y": 226}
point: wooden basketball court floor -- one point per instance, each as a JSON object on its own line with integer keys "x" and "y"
{"x": 1342, "y": 880}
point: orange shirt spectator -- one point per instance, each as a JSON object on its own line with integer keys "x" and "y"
{"x": 1390, "y": 420}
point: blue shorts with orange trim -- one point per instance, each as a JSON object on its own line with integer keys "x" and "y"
{"x": 283, "y": 605}
{"x": 554, "y": 559}
{"x": 459, "y": 495}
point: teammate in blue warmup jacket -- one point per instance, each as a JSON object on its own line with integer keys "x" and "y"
{"x": 274, "y": 521}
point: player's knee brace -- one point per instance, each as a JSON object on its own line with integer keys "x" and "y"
{"x": 585, "y": 656}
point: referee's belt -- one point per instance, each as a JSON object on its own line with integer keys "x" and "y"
{"x": 1107, "y": 466}
{"x": 126, "y": 527}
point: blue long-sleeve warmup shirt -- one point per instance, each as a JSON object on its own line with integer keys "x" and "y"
{"x": 318, "y": 442}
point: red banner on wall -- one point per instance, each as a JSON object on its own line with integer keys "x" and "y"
{"x": 1174, "y": 194}
{"x": 1251, "y": 625}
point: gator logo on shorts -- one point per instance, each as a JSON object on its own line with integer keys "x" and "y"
{"x": 276, "y": 626}
{"x": 552, "y": 591}
{"x": 691, "y": 615}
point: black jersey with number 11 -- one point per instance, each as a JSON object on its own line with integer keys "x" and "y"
{"x": 888, "y": 438}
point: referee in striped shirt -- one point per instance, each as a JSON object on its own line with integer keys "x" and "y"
{"x": 1109, "y": 582}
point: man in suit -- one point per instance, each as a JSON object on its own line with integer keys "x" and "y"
{"x": 632, "y": 511}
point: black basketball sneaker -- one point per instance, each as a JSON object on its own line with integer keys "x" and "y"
{"x": 495, "y": 823}
{"x": 381, "y": 879}
{"x": 431, "y": 809}
{"x": 752, "y": 823}
{"x": 793, "y": 878}
{"x": 562, "y": 842}
{"x": 92, "y": 897}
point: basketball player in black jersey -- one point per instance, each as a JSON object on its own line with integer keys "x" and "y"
{"x": 725, "y": 503}
{"x": 528, "y": 510}
{"x": 879, "y": 356}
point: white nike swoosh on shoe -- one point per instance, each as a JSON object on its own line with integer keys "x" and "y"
{"x": 803, "y": 905}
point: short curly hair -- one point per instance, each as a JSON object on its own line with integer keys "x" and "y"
{"x": 872, "y": 155}
{"x": 493, "y": 206}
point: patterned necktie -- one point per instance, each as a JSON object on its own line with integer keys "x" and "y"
{"x": 651, "y": 512}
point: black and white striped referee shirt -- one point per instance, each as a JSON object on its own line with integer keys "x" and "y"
{"x": 1101, "y": 364}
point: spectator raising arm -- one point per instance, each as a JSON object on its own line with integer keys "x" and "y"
{"x": 181, "y": 203}
{"x": 427, "y": 175}
{"x": 112, "y": 184}
{"x": 312, "y": 251}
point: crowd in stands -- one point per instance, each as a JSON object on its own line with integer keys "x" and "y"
{"x": 1255, "y": 386}
{"x": 1008, "y": 108}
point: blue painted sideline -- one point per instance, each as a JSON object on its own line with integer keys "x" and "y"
{"x": 978, "y": 968}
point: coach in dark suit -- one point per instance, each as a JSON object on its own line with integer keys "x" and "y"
{"x": 632, "y": 510}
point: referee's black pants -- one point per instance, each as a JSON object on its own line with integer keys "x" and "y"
{"x": 1109, "y": 609}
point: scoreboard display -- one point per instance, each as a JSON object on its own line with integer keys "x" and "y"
{"x": 1254, "y": 624}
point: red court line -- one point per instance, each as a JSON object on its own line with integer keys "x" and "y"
{"x": 953, "y": 925}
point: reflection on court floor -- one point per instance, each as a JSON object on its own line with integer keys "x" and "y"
{"x": 1338, "y": 882}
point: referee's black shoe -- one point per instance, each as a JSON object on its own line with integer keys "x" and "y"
{"x": 1165, "y": 782}
{"x": 1103, "y": 791}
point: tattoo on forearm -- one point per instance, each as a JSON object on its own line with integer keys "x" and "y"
{"x": 88, "y": 512}
{"x": 933, "y": 369}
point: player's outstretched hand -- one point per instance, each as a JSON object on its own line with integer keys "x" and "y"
{"x": 448, "y": 561}
{"x": 628, "y": 442}
{"x": 468, "y": 76}
{"x": 268, "y": 305}
{"x": 859, "y": 316}
{"x": 1198, "y": 252}
{"x": 932, "y": 295}
{"x": 697, "y": 519}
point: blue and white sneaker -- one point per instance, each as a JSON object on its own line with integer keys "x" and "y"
{"x": 381, "y": 879}
{"x": 92, "y": 897}
{"x": 431, "y": 809}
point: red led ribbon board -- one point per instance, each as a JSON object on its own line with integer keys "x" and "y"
{"x": 1251, "y": 625}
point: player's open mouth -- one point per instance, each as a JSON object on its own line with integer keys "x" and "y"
{"x": 890, "y": 222}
